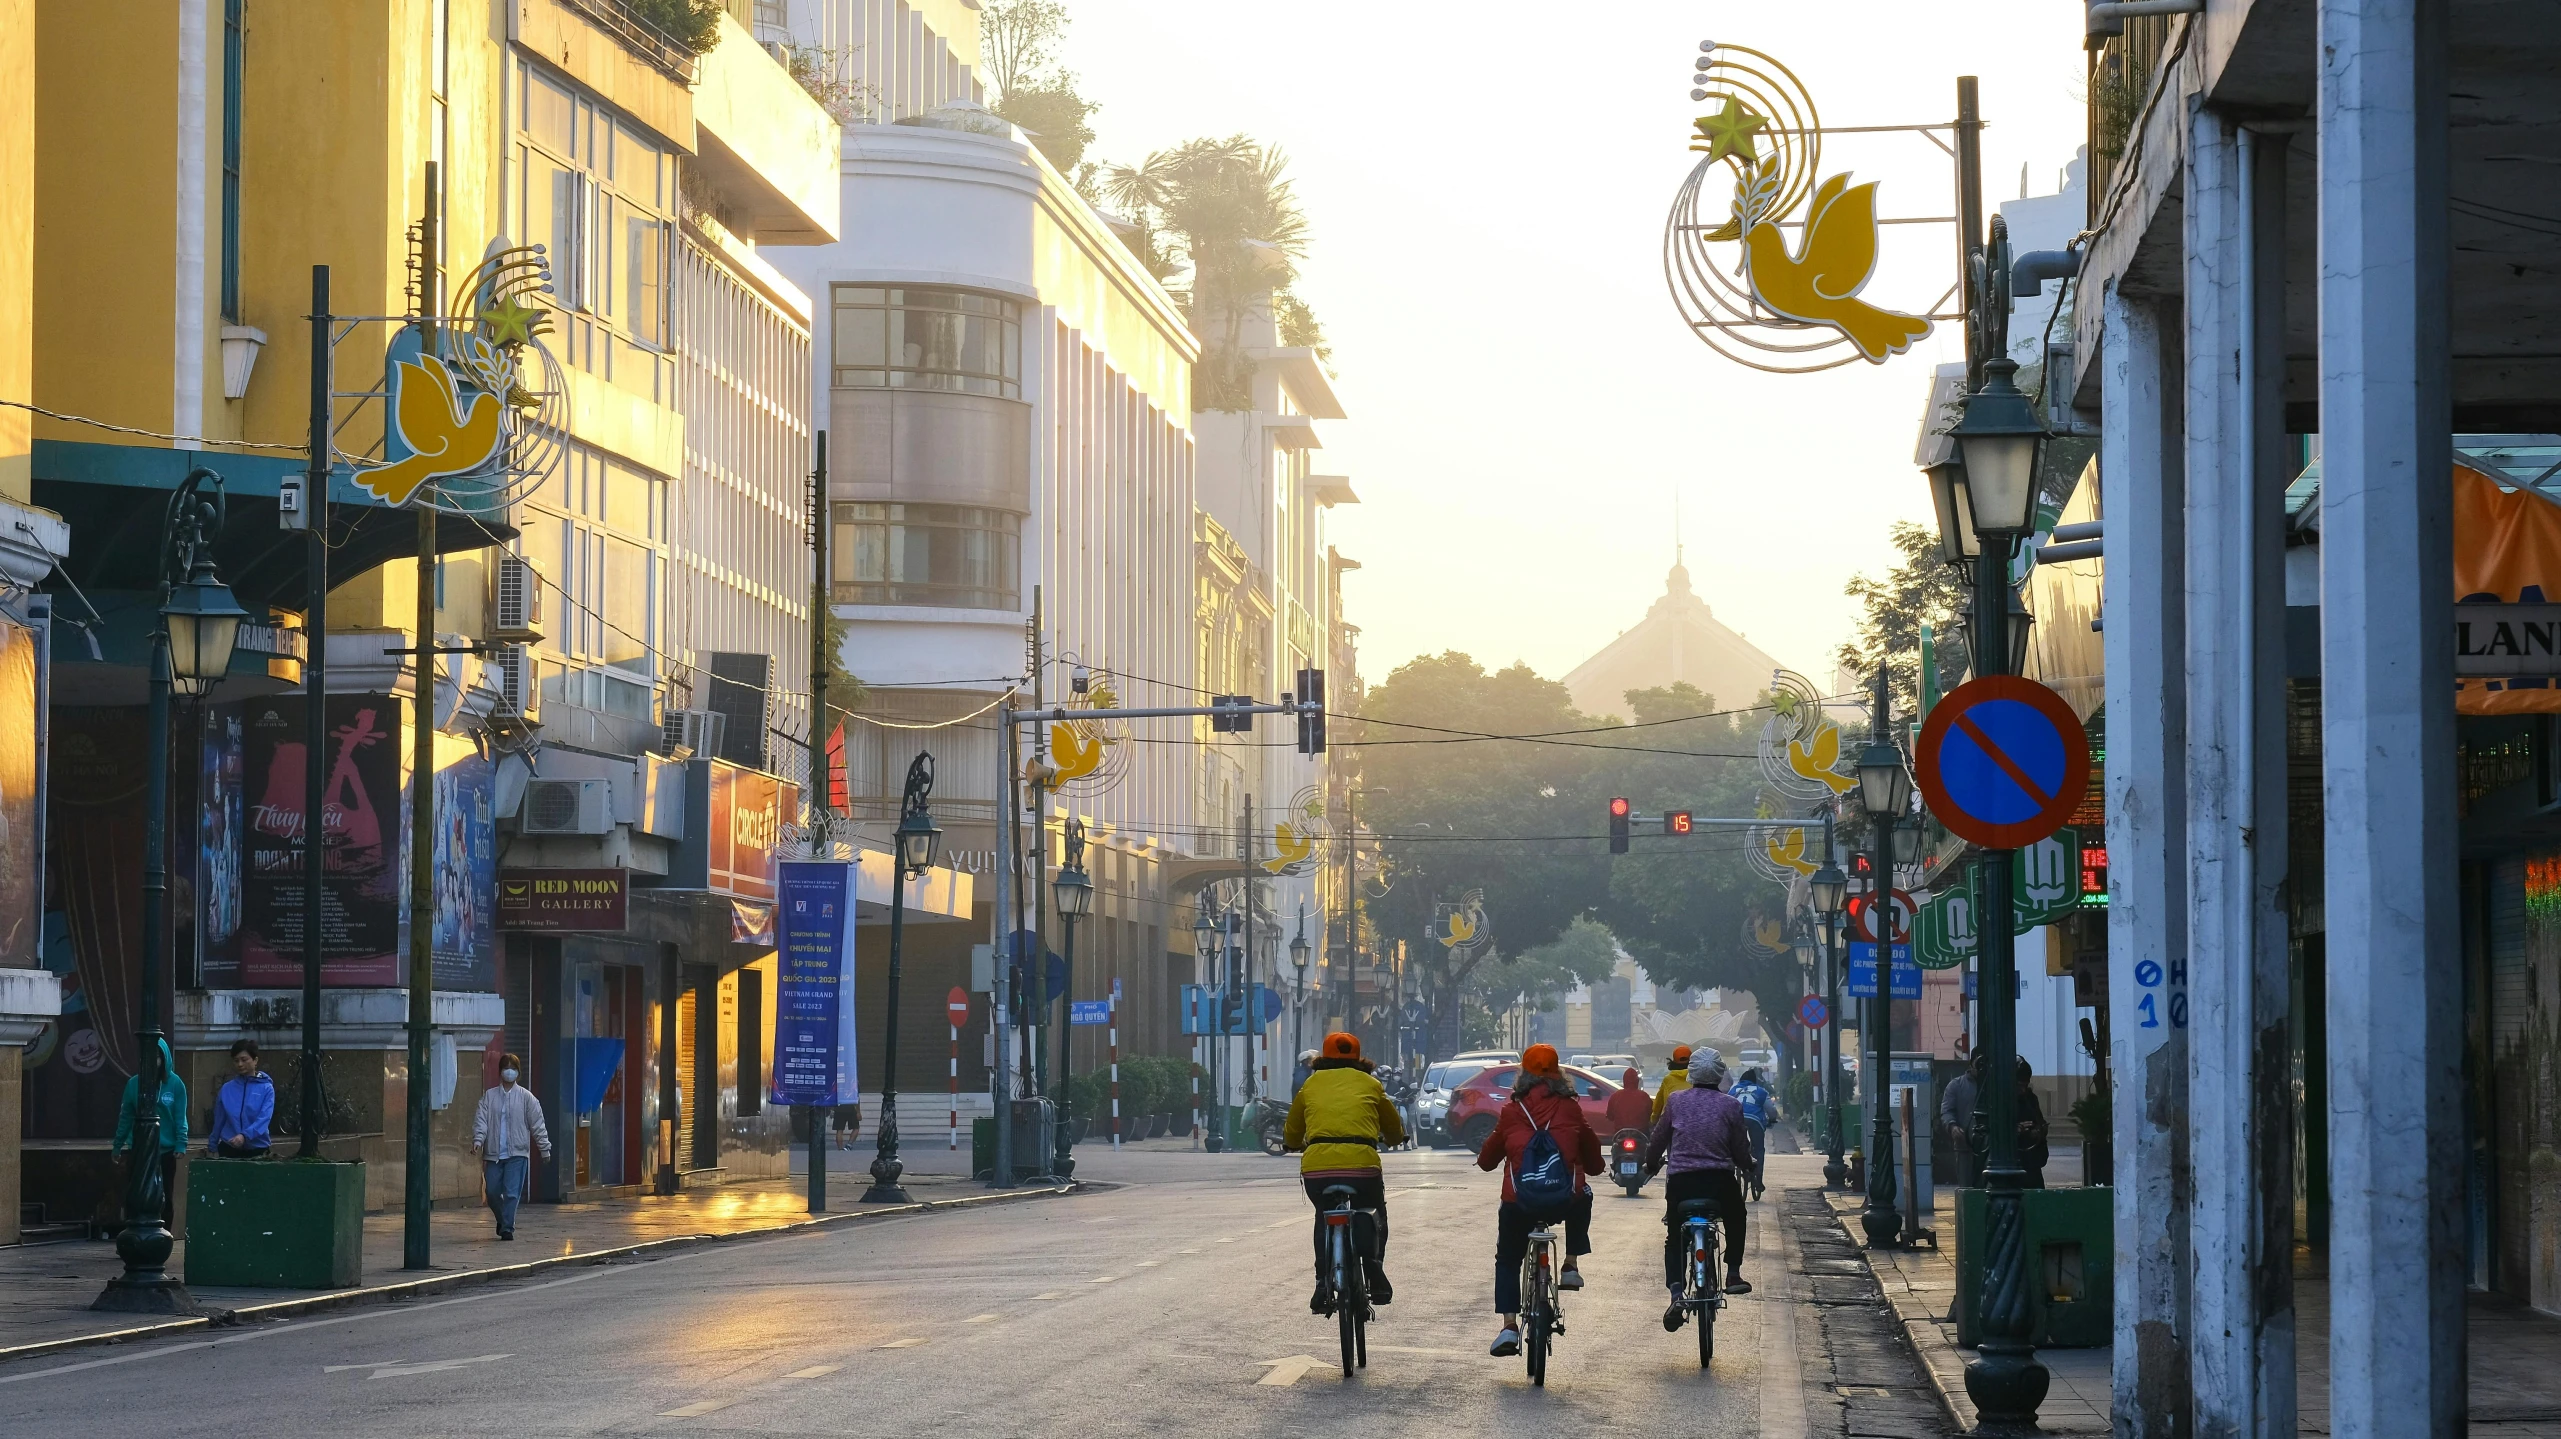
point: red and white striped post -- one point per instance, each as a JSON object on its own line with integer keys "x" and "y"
{"x": 1196, "y": 1053}
{"x": 1113, "y": 1034}
{"x": 956, "y": 1006}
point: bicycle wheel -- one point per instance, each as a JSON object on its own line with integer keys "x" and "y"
{"x": 1706, "y": 1335}
{"x": 1534, "y": 1343}
{"x": 1349, "y": 1299}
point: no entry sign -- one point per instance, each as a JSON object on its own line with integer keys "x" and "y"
{"x": 958, "y": 1003}
{"x": 2003, "y": 761}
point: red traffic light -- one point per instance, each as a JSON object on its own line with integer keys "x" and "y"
{"x": 1618, "y": 809}
{"x": 1676, "y": 821}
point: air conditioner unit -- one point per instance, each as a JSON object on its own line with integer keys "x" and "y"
{"x": 567, "y": 806}
{"x": 518, "y": 609}
{"x": 696, "y": 732}
{"x": 519, "y": 678}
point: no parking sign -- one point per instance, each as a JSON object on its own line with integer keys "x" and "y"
{"x": 2003, "y": 761}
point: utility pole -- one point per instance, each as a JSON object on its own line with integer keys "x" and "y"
{"x": 419, "y": 1192}
{"x": 1008, "y": 922}
{"x": 1881, "y": 1220}
{"x": 1969, "y": 227}
{"x": 315, "y": 705}
{"x": 1245, "y": 1006}
{"x": 822, "y": 776}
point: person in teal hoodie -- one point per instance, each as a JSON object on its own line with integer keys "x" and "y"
{"x": 173, "y": 1129}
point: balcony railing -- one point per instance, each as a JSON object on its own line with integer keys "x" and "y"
{"x": 661, "y": 50}
{"x": 2121, "y": 75}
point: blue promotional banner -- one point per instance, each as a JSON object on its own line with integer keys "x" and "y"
{"x": 814, "y": 1002}
{"x": 1860, "y": 983}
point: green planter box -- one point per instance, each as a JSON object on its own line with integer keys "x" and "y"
{"x": 275, "y": 1224}
{"x": 2071, "y": 1248}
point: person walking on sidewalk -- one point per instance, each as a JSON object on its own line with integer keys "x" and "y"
{"x": 243, "y": 1107}
{"x": 849, "y": 1124}
{"x": 154, "y": 1170}
{"x": 1956, "y": 1121}
{"x": 504, "y": 1132}
{"x": 1704, "y": 1142}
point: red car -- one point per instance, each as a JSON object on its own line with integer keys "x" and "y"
{"x": 1476, "y": 1105}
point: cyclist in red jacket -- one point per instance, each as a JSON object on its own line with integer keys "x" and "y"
{"x": 1542, "y": 1098}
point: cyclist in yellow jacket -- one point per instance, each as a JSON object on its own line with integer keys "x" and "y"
{"x": 1341, "y": 1118}
{"x": 1677, "y": 1078}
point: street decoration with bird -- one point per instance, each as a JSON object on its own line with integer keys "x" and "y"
{"x": 1769, "y": 305}
{"x": 1299, "y": 834}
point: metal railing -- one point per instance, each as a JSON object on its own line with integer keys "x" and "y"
{"x": 663, "y": 51}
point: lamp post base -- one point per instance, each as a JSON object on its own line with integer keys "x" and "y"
{"x": 2007, "y": 1385}
{"x": 886, "y": 1170}
{"x": 1884, "y": 1228}
{"x": 146, "y": 1294}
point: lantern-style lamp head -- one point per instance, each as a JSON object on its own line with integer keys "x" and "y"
{"x": 1998, "y": 439}
{"x": 1830, "y": 887}
{"x": 2022, "y": 628}
{"x": 1074, "y": 892}
{"x": 918, "y": 840}
{"x": 1298, "y": 953}
{"x": 204, "y": 622}
{"x": 1204, "y": 933}
{"x": 1885, "y": 787}
{"x": 1957, "y": 544}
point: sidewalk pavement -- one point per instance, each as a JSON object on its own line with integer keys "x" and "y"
{"x": 51, "y": 1285}
{"x": 2513, "y": 1353}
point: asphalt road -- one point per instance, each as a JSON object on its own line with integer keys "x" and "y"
{"x": 1155, "y": 1307}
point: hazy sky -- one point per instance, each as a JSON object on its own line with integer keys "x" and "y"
{"x": 1486, "y": 185}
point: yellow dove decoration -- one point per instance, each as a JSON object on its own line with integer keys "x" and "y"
{"x": 1819, "y": 284}
{"x": 1462, "y": 928}
{"x": 1814, "y": 760}
{"x": 444, "y": 437}
{"x": 1075, "y": 754}
{"x": 1786, "y": 848}
{"x": 1292, "y": 848}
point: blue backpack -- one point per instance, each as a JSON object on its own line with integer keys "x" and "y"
{"x": 1543, "y": 1182}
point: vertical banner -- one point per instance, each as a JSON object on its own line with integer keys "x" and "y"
{"x": 363, "y": 879}
{"x": 21, "y": 833}
{"x": 814, "y": 999}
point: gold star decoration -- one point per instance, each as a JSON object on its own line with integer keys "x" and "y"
{"x": 1729, "y": 131}
{"x": 510, "y": 323}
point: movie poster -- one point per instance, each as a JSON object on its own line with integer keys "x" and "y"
{"x": 465, "y": 942}
{"x": 362, "y": 874}
{"x": 21, "y": 837}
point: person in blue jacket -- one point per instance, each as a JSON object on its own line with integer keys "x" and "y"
{"x": 243, "y": 1107}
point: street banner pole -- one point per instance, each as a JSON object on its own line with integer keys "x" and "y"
{"x": 1114, "y": 1036}
{"x": 418, "y": 1194}
{"x": 955, "y": 1089}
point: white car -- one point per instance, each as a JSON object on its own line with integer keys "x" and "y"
{"x": 1431, "y": 1104}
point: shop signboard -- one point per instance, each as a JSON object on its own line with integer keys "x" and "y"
{"x": 588, "y": 900}
{"x": 2048, "y": 880}
{"x": 814, "y": 996}
{"x": 733, "y": 825}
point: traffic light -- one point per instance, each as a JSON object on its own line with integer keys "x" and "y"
{"x": 1618, "y": 826}
{"x": 1311, "y": 720}
{"x": 1231, "y": 723}
{"x": 1676, "y": 821}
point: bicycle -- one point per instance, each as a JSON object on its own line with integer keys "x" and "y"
{"x": 1760, "y": 1153}
{"x": 1541, "y": 1313}
{"x": 1349, "y": 1234}
{"x": 1702, "y": 1293}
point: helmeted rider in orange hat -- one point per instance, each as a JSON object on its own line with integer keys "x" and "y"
{"x": 1341, "y": 1118}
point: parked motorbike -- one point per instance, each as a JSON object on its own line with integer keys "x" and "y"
{"x": 1627, "y": 1160}
{"x": 1270, "y": 1117}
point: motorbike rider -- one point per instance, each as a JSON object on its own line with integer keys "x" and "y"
{"x": 1703, "y": 1141}
{"x": 1760, "y": 1111}
{"x": 1674, "y": 1079}
{"x": 1630, "y": 1108}
{"x": 1341, "y": 1117}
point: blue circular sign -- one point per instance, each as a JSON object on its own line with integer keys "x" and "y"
{"x": 2003, "y": 761}
{"x": 1814, "y": 1012}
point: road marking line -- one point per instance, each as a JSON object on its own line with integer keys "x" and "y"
{"x": 432, "y": 1366}
{"x": 1227, "y": 1239}
{"x": 1189, "y": 1251}
{"x": 377, "y": 1364}
{"x": 902, "y": 1343}
{"x": 818, "y": 1371}
{"x": 982, "y": 1319}
{"x": 1149, "y": 1263}
{"x": 1282, "y": 1373}
{"x": 1106, "y": 1279}
{"x": 1053, "y": 1294}
{"x": 696, "y": 1409}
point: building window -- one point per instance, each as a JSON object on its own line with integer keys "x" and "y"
{"x": 596, "y": 195}
{"x": 234, "y": 57}
{"x": 928, "y": 555}
{"x": 910, "y": 338}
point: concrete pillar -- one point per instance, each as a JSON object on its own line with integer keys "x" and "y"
{"x": 2387, "y": 725}
{"x": 2145, "y": 611}
{"x": 2239, "y": 1065}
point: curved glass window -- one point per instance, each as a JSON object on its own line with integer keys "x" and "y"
{"x": 914, "y": 338}
{"x": 954, "y": 555}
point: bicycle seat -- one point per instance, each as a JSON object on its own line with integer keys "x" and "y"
{"x": 1698, "y": 1209}
{"x": 1338, "y": 1192}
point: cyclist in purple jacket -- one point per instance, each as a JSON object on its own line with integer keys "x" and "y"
{"x": 1704, "y": 1143}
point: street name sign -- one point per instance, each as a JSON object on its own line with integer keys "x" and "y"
{"x": 2003, "y": 761}
{"x": 1089, "y": 1011}
{"x": 1860, "y": 982}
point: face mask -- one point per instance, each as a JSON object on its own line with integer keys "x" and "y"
{"x": 508, "y": 1075}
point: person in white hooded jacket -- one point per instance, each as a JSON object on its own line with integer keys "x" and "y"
{"x": 505, "y": 1132}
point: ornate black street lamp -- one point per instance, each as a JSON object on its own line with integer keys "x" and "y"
{"x": 916, "y": 840}
{"x": 1830, "y": 889}
{"x": 1074, "y": 891}
{"x": 1298, "y": 952}
{"x": 190, "y": 650}
{"x": 1205, "y": 940}
{"x": 1885, "y": 792}
{"x": 1999, "y": 437}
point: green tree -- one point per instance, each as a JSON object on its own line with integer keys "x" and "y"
{"x": 1585, "y": 953}
{"x": 1054, "y": 115}
{"x": 1921, "y": 589}
{"x": 694, "y": 24}
{"x": 1222, "y": 214}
